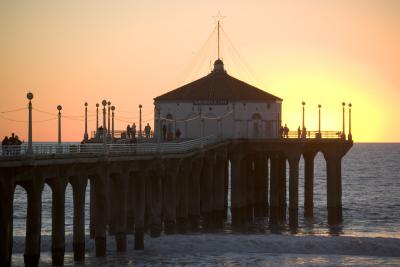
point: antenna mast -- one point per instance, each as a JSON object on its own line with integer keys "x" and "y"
{"x": 218, "y": 39}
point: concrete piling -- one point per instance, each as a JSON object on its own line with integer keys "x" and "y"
{"x": 293, "y": 159}
{"x": 207, "y": 196}
{"x": 6, "y": 218}
{"x": 182, "y": 196}
{"x": 261, "y": 186}
{"x": 79, "y": 184}
{"x": 154, "y": 200}
{"x": 309, "y": 184}
{"x": 58, "y": 186}
{"x": 100, "y": 216}
{"x": 169, "y": 195}
{"x": 34, "y": 190}
{"x": 140, "y": 203}
{"x": 194, "y": 193}
{"x": 219, "y": 191}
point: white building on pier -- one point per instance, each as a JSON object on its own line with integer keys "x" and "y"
{"x": 218, "y": 104}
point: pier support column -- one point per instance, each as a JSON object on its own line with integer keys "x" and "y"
{"x": 34, "y": 190}
{"x": 130, "y": 205}
{"x": 58, "y": 186}
{"x": 282, "y": 188}
{"x": 194, "y": 193}
{"x": 219, "y": 190}
{"x": 101, "y": 212}
{"x": 119, "y": 182}
{"x": 182, "y": 196}
{"x": 250, "y": 188}
{"x": 169, "y": 195}
{"x": 207, "y": 193}
{"x": 293, "y": 158}
{"x": 154, "y": 199}
{"x": 261, "y": 186}
{"x": 79, "y": 184}
{"x": 140, "y": 204}
{"x": 274, "y": 189}
{"x": 236, "y": 189}
{"x": 92, "y": 210}
{"x": 226, "y": 190}
{"x": 309, "y": 184}
{"x": 6, "y": 219}
{"x": 334, "y": 186}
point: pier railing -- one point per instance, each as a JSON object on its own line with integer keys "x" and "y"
{"x": 315, "y": 134}
{"x": 144, "y": 148}
{"x": 100, "y": 148}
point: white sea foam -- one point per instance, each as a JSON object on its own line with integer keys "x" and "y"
{"x": 238, "y": 249}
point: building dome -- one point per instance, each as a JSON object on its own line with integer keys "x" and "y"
{"x": 218, "y": 65}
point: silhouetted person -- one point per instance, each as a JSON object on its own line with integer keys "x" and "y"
{"x": 281, "y": 131}
{"x": 286, "y": 131}
{"x": 298, "y": 132}
{"x": 4, "y": 146}
{"x": 147, "y": 130}
{"x": 164, "y": 132}
{"x": 178, "y": 133}
{"x": 133, "y": 130}
{"x": 128, "y": 132}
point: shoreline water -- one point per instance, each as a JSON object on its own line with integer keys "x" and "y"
{"x": 235, "y": 249}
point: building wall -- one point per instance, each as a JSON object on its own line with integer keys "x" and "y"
{"x": 229, "y": 120}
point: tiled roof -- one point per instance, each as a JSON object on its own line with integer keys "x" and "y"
{"x": 217, "y": 86}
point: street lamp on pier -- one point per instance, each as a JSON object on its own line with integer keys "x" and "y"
{"x": 319, "y": 121}
{"x": 30, "y": 97}
{"x": 140, "y": 122}
{"x": 104, "y": 103}
{"x": 97, "y": 117}
{"x": 350, "y": 135}
{"x": 108, "y": 128}
{"x": 303, "y": 130}
{"x": 112, "y": 123}
{"x": 59, "y": 108}
{"x": 344, "y": 132}
{"x": 85, "y": 136}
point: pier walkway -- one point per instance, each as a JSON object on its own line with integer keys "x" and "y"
{"x": 165, "y": 188}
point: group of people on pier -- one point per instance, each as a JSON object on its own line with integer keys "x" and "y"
{"x": 132, "y": 135}
{"x": 11, "y": 145}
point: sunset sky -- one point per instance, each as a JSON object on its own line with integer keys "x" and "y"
{"x": 128, "y": 52}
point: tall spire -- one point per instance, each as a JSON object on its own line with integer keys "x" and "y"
{"x": 218, "y": 39}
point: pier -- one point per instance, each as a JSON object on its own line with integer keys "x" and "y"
{"x": 164, "y": 188}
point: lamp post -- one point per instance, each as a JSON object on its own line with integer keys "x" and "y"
{"x": 30, "y": 97}
{"x": 108, "y": 128}
{"x": 158, "y": 125}
{"x": 344, "y": 132}
{"x": 303, "y": 129}
{"x": 59, "y": 108}
{"x": 97, "y": 117}
{"x": 112, "y": 123}
{"x": 140, "y": 122}
{"x": 319, "y": 122}
{"x": 85, "y": 136}
{"x": 350, "y": 135}
{"x": 104, "y": 103}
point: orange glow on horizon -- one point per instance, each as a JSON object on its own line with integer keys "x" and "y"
{"x": 324, "y": 53}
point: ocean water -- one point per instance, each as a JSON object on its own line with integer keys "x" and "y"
{"x": 369, "y": 235}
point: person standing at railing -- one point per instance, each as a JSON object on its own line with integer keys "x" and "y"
{"x": 298, "y": 132}
{"x": 4, "y": 146}
{"x": 134, "y": 131}
{"x": 17, "y": 144}
{"x": 128, "y": 132}
{"x": 285, "y": 131}
{"x": 147, "y": 130}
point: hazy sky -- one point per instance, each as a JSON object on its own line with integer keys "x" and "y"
{"x": 128, "y": 52}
